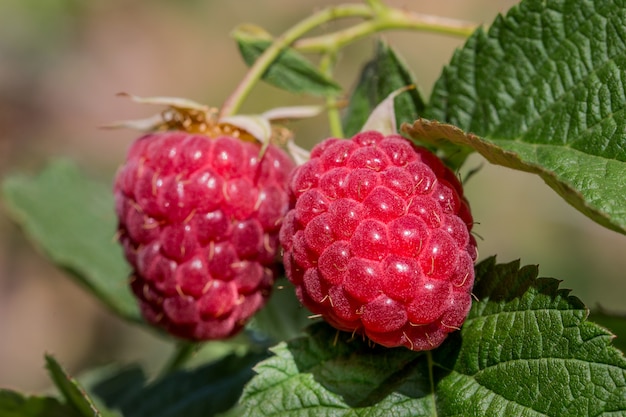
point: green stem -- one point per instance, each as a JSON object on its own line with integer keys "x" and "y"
{"x": 391, "y": 19}
{"x": 378, "y": 17}
{"x": 431, "y": 377}
{"x": 184, "y": 351}
{"x": 332, "y": 109}
{"x": 259, "y": 67}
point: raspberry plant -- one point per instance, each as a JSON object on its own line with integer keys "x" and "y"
{"x": 540, "y": 90}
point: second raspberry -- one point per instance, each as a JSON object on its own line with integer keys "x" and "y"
{"x": 378, "y": 240}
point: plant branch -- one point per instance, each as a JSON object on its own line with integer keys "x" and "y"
{"x": 378, "y": 17}
{"x": 391, "y": 19}
{"x": 261, "y": 65}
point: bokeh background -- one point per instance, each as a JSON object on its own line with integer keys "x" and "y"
{"x": 63, "y": 61}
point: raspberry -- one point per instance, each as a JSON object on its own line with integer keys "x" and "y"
{"x": 378, "y": 240}
{"x": 199, "y": 221}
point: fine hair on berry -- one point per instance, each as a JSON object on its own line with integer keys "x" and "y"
{"x": 378, "y": 240}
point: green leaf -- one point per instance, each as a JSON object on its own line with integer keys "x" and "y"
{"x": 582, "y": 194}
{"x": 72, "y": 220}
{"x": 615, "y": 322}
{"x": 326, "y": 374}
{"x": 115, "y": 384}
{"x": 526, "y": 349}
{"x": 381, "y": 76}
{"x": 283, "y": 317}
{"x": 202, "y": 392}
{"x": 13, "y": 404}
{"x": 290, "y": 71}
{"x": 73, "y": 393}
{"x": 546, "y": 85}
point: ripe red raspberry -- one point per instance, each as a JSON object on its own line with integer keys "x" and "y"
{"x": 378, "y": 240}
{"x": 199, "y": 221}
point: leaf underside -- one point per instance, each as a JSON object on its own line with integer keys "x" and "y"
{"x": 543, "y": 91}
{"x": 72, "y": 220}
{"x": 554, "y": 363}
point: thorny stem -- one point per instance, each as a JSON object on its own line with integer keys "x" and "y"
{"x": 378, "y": 17}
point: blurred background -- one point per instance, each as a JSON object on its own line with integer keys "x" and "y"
{"x": 63, "y": 61}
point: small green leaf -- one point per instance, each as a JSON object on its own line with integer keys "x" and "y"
{"x": 290, "y": 71}
{"x": 526, "y": 349}
{"x": 381, "y": 76}
{"x": 546, "y": 84}
{"x": 202, "y": 392}
{"x": 73, "y": 393}
{"x": 72, "y": 220}
{"x": 13, "y": 404}
{"x": 283, "y": 317}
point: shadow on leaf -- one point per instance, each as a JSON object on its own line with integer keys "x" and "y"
{"x": 362, "y": 373}
{"x": 204, "y": 391}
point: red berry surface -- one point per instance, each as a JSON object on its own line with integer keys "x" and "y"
{"x": 199, "y": 221}
{"x": 378, "y": 240}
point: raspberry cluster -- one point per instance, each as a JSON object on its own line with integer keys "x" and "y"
{"x": 199, "y": 221}
{"x": 378, "y": 240}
